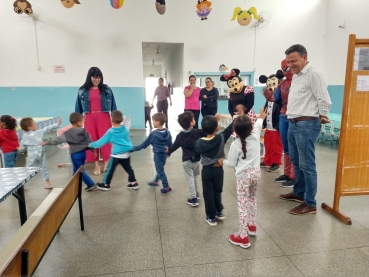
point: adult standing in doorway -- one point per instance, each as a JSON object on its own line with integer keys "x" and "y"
{"x": 162, "y": 92}
{"x": 209, "y": 98}
{"x": 192, "y": 99}
{"x": 96, "y": 100}
{"x": 308, "y": 105}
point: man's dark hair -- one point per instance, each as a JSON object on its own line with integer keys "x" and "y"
{"x": 209, "y": 123}
{"x": 300, "y": 49}
{"x": 160, "y": 117}
{"x": 185, "y": 119}
{"x": 117, "y": 117}
{"x": 74, "y": 118}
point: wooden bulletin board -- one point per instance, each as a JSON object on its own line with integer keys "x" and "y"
{"x": 352, "y": 174}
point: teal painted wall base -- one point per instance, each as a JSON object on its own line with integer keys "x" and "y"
{"x": 60, "y": 101}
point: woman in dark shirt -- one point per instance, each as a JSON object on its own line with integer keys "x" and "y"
{"x": 209, "y": 98}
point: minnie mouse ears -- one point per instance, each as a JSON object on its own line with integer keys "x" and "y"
{"x": 234, "y": 72}
{"x": 279, "y": 75}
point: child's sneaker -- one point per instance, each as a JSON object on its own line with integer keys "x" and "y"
{"x": 220, "y": 216}
{"x": 192, "y": 202}
{"x": 237, "y": 240}
{"x": 133, "y": 185}
{"x": 251, "y": 230}
{"x": 103, "y": 186}
{"x": 90, "y": 188}
{"x": 262, "y": 164}
{"x": 48, "y": 186}
{"x": 273, "y": 168}
{"x": 211, "y": 221}
{"x": 166, "y": 190}
{"x": 153, "y": 184}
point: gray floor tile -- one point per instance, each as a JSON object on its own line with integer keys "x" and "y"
{"x": 110, "y": 243}
{"x": 200, "y": 239}
{"x": 276, "y": 266}
{"x": 308, "y": 233}
{"x": 141, "y": 273}
{"x": 347, "y": 262}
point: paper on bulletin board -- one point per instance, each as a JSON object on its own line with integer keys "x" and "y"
{"x": 361, "y": 59}
{"x": 362, "y": 83}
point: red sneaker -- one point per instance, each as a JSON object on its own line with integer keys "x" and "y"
{"x": 237, "y": 240}
{"x": 252, "y": 230}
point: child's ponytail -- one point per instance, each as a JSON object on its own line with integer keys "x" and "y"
{"x": 243, "y": 142}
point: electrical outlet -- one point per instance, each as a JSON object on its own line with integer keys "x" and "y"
{"x": 256, "y": 81}
{"x": 13, "y": 88}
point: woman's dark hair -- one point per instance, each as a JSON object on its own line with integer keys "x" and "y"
{"x": 191, "y": 76}
{"x": 94, "y": 72}
{"x": 10, "y": 122}
{"x": 243, "y": 127}
{"x": 208, "y": 78}
{"x": 161, "y": 79}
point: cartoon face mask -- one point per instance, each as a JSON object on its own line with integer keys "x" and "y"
{"x": 234, "y": 81}
{"x": 286, "y": 70}
{"x": 272, "y": 81}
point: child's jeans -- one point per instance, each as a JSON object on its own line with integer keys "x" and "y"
{"x": 246, "y": 199}
{"x": 159, "y": 160}
{"x": 10, "y": 158}
{"x": 79, "y": 159}
{"x": 191, "y": 171}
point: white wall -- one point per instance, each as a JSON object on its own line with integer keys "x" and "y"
{"x": 152, "y": 69}
{"x": 355, "y": 15}
{"x": 94, "y": 34}
{"x": 174, "y": 67}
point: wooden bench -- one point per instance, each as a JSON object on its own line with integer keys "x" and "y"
{"x": 23, "y": 253}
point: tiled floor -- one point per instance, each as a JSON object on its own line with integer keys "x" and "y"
{"x": 146, "y": 233}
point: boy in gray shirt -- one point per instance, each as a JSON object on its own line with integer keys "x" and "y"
{"x": 78, "y": 140}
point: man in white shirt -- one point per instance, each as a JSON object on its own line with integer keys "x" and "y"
{"x": 308, "y": 105}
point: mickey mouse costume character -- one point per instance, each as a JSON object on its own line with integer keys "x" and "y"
{"x": 280, "y": 97}
{"x": 272, "y": 139}
{"x": 239, "y": 94}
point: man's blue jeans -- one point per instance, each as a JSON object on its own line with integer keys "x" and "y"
{"x": 79, "y": 159}
{"x": 283, "y": 130}
{"x": 302, "y": 137}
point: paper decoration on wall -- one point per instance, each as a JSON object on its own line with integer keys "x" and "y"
{"x": 69, "y": 3}
{"x": 223, "y": 68}
{"x": 244, "y": 17}
{"x": 22, "y": 6}
{"x": 116, "y": 4}
{"x": 160, "y": 6}
{"x": 203, "y": 9}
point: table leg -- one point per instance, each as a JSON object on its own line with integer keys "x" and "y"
{"x": 22, "y": 204}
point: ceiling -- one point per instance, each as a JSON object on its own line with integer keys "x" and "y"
{"x": 150, "y": 52}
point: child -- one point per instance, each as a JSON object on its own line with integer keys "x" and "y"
{"x": 272, "y": 138}
{"x": 244, "y": 156}
{"x": 31, "y": 141}
{"x": 211, "y": 149}
{"x": 78, "y": 140}
{"x": 190, "y": 158}
{"x": 148, "y": 109}
{"x": 118, "y": 135}
{"x": 159, "y": 139}
{"x": 9, "y": 140}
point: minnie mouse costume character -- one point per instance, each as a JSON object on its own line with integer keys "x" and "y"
{"x": 239, "y": 94}
{"x": 280, "y": 97}
{"x": 272, "y": 138}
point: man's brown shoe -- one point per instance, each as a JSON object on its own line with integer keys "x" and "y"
{"x": 302, "y": 209}
{"x": 291, "y": 197}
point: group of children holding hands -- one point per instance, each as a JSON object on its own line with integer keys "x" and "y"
{"x": 204, "y": 145}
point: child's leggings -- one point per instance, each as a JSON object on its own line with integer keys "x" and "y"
{"x": 37, "y": 159}
{"x": 246, "y": 197}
